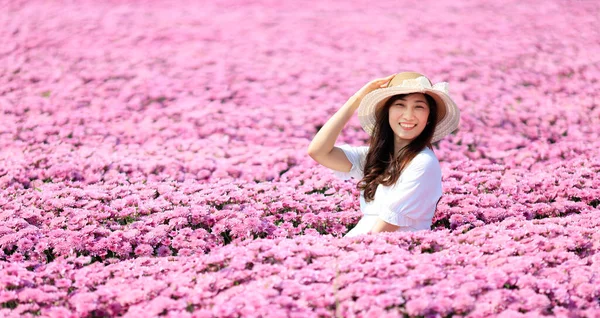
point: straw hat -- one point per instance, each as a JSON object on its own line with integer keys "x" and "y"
{"x": 411, "y": 82}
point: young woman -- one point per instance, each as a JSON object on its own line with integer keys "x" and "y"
{"x": 400, "y": 179}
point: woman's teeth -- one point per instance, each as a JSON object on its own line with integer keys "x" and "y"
{"x": 407, "y": 126}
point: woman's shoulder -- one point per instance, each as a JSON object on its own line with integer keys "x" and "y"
{"x": 426, "y": 157}
{"x": 363, "y": 150}
{"x": 355, "y": 151}
{"x": 424, "y": 162}
{"x": 354, "y": 148}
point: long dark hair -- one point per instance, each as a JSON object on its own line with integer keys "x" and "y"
{"x": 380, "y": 165}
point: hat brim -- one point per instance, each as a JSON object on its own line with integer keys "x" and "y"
{"x": 448, "y": 113}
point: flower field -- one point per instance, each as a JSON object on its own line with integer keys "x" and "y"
{"x": 153, "y": 159}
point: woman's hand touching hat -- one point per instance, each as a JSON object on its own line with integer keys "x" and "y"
{"x": 373, "y": 85}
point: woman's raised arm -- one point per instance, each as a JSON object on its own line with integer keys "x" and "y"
{"x": 321, "y": 148}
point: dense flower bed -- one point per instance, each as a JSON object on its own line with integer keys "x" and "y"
{"x": 544, "y": 267}
{"x": 153, "y": 159}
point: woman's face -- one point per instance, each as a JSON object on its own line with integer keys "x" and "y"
{"x": 408, "y": 117}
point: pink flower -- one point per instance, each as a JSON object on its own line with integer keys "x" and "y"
{"x": 463, "y": 303}
{"x": 84, "y": 302}
{"x": 417, "y": 306}
{"x": 164, "y": 251}
{"x": 144, "y": 250}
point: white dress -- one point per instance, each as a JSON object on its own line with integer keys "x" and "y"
{"x": 409, "y": 203}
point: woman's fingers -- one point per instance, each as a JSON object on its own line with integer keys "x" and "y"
{"x": 384, "y": 81}
{"x": 373, "y": 85}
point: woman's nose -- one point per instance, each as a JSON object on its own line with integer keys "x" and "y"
{"x": 408, "y": 113}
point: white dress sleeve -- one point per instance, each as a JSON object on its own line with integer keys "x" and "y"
{"x": 357, "y": 156}
{"x": 414, "y": 197}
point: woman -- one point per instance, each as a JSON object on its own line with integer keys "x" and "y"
{"x": 400, "y": 176}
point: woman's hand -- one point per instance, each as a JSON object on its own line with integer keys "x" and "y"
{"x": 373, "y": 85}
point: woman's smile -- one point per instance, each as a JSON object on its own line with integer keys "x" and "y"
{"x": 407, "y": 126}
